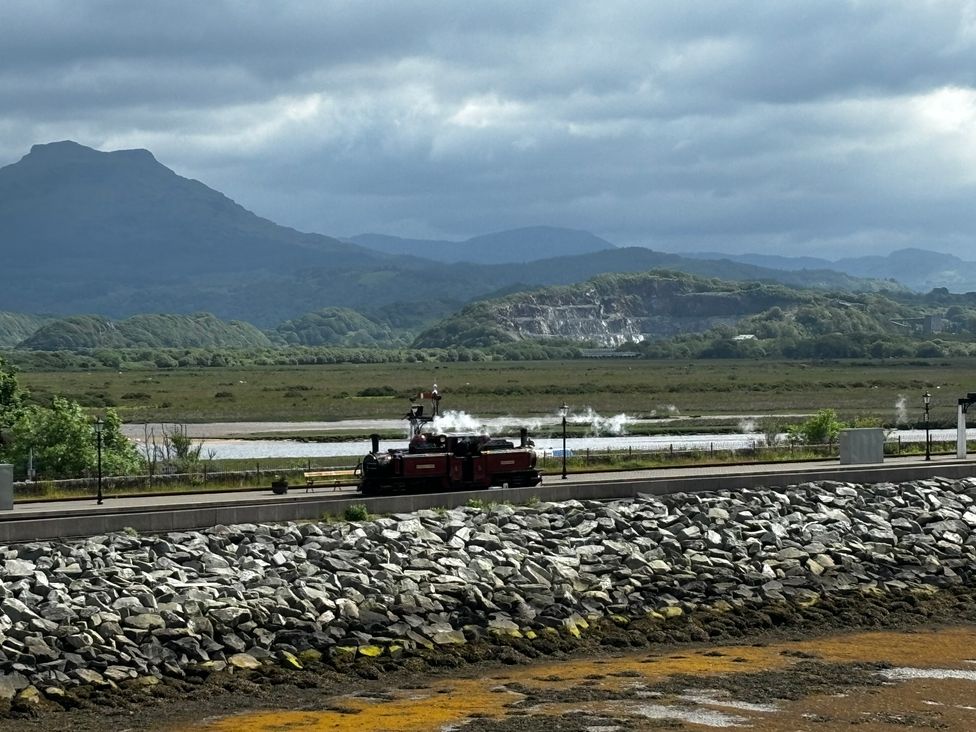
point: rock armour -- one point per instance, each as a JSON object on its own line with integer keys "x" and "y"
{"x": 126, "y": 608}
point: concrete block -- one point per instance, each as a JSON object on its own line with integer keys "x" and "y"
{"x": 861, "y": 445}
{"x": 6, "y": 487}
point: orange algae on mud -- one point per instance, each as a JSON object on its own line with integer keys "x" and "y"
{"x": 415, "y": 710}
{"x": 447, "y": 702}
{"x": 452, "y": 701}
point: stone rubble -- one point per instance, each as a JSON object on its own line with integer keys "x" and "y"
{"x": 126, "y": 608}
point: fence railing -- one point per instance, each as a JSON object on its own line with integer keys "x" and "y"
{"x": 206, "y": 478}
{"x": 719, "y": 453}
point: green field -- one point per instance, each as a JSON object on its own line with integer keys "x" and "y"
{"x": 641, "y": 388}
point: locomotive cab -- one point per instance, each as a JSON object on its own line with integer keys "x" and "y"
{"x": 426, "y": 442}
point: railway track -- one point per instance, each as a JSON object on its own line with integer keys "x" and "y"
{"x": 175, "y": 512}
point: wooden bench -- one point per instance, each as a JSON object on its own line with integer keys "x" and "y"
{"x": 335, "y": 478}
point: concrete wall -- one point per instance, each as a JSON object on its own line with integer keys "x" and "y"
{"x": 6, "y": 487}
{"x": 90, "y": 521}
{"x": 861, "y": 446}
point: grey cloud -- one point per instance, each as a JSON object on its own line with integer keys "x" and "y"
{"x": 720, "y": 125}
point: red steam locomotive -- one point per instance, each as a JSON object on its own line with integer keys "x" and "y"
{"x": 437, "y": 462}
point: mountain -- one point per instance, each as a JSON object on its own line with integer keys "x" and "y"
{"x": 200, "y": 330}
{"x": 118, "y": 234}
{"x": 74, "y": 207}
{"x": 511, "y": 246}
{"x": 83, "y": 229}
{"x": 920, "y": 269}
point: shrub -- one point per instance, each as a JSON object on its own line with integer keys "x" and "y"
{"x": 356, "y": 512}
{"x": 821, "y": 429}
{"x": 377, "y": 391}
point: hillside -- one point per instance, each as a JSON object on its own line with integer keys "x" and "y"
{"x": 567, "y": 270}
{"x": 336, "y": 327}
{"x": 15, "y": 327}
{"x": 512, "y": 246}
{"x": 920, "y": 269}
{"x": 200, "y": 330}
{"x": 611, "y": 310}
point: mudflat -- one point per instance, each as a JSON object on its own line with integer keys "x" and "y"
{"x": 769, "y": 670}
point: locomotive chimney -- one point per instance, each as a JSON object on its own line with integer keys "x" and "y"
{"x": 523, "y": 437}
{"x": 375, "y": 440}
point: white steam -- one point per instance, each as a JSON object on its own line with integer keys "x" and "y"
{"x": 452, "y": 421}
{"x": 901, "y": 413}
{"x": 747, "y": 426}
{"x": 668, "y": 409}
{"x": 615, "y": 425}
{"x": 532, "y": 425}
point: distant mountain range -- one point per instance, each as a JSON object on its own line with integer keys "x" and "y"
{"x": 117, "y": 234}
{"x": 513, "y": 246}
{"x": 920, "y": 269}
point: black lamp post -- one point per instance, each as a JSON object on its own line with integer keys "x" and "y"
{"x": 926, "y": 400}
{"x": 98, "y": 447}
{"x": 564, "y": 410}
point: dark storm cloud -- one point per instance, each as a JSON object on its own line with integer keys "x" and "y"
{"x": 715, "y": 125}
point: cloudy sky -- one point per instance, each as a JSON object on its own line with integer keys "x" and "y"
{"x": 825, "y": 128}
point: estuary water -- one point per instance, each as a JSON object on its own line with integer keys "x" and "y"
{"x": 223, "y": 448}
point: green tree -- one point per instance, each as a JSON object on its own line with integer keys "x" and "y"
{"x": 10, "y": 391}
{"x": 62, "y": 439}
{"x": 119, "y": 455}
{"x": 11, "y": 397}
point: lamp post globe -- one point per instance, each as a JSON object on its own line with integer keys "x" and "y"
{"x": 563, "y": 411}
{"x": 98, "y": 450}
{"x": 926, "y": 400}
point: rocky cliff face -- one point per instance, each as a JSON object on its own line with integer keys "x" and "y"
{"x": 637, "y": 309}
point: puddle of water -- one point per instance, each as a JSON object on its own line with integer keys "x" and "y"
{"x": 705, "y": 717}
{"x": 930, "y": 686}
{"x": 715, "y": 698}
{"x": 903, "y": 674}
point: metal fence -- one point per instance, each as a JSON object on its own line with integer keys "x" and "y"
{"x": 757, "y": 452}
{"x": 206, "y": 478}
